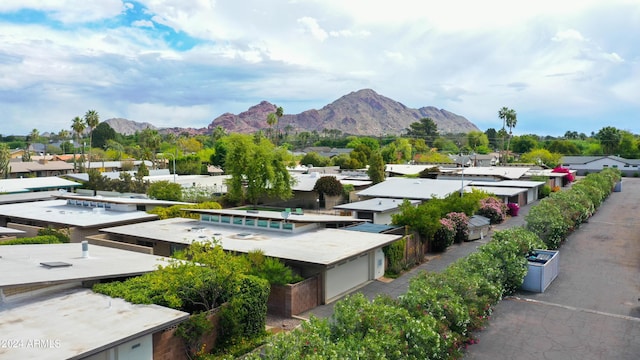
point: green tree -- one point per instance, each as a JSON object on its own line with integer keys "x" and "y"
{"x": 328, "y": 185}
{"x": 102, "y": 134}
{"x": 257, "y": 169}
{"x": 397, "y": 152}
{"x": 564, "y": 147}
{"x": 314, "y": 159}
{"x": 609, "y": 138}
{"x": 425, "y": 129}
{"x": 32, "y": 138}
{"x": 376, "y": 168}
{"x": 542, "y": 156}
{"x": 509, "y": 119}
{"x": 5, "y": 158}
{"x": 78, "y": 126}
{"x": 91, "y": 119}
{"x": 446, "y": 145}
{"x": 492, "y": 136}
{"x": 628, "y": 147}
{"x": 524, "y": 143}
{"x": 476, "y": 139}
{"x": 165, "y": 190}
{"x": 149, "y": 139}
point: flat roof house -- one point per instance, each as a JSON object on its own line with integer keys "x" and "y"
{"x": 48, "y": 314}
{"x": 413, "y": 189}
{"x": 376, "y": 210}
{"x": 83, "y": 217}
{"x": 313, "y": 244}
{"x": 521, "y": 192}
{"x": 589, "y": 164}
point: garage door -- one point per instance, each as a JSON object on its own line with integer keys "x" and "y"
{"x": 346, "y": 276}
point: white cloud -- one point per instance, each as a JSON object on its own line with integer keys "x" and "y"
{"x": 143, "y": 23}
{"x": 570, "y": 34}
{"x": 311, "y": 26}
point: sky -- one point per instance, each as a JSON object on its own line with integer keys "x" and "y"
{"x": 561, "y": 65}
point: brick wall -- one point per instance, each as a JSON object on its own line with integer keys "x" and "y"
{"x": 294, "y": 299}
{"x": 168, "y": 346}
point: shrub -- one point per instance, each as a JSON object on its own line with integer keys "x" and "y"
{"x": 328, "y": 185}
{"x": 271, "y": 269}
{"x": 444, "y": 236}
{"x": 545, "y": 190}
{"x": 180, "y": 210}
{"x": 394, "y": 253}
{"x": 41, "y": 239}
{"x": 461, "y": 222}
{"x": 165, "y": 190}
{"x": 494, "y": 209}
{"x": 512, "y": 209}
{"x": 64, "y": 235}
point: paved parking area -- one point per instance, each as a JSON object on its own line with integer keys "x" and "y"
{"x": 592, "y": 309}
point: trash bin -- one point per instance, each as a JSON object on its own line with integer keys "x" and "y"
{"x": 542, "y": 269}
{"x": 618, "y": 186}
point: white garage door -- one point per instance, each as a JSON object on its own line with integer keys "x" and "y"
{"x": 346, "y": 276}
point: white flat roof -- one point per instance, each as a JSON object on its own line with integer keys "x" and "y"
{"x": 420, "y": 189}
{"x": 375, "y": 204}
{"x": 9, "y": 231}
{"x": 509, "y": 183}
{"x": 73, "y": 324}
{"x": 29, "y": 184}
{"x": 498, "y": 191}
{"x": 20, "y": 264}
{"x": 307, "y": 217}
{"x": 58, "y": 212}
{"x": 321, "y": 246}
{"x": 119, "y": 200}
{"x": 28, "y": 196}
{"x": 406, "y": 169}
{"x": 508, "y": 172}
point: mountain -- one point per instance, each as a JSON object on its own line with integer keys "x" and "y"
{"x": 128, "y": 127}
{"x": 362, "y": 112}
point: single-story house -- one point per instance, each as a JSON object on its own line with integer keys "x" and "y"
{"x": 376, "y": 210}
{"x": 520, "y": 192}
{"x": 488, "y": 173}
{"x": 41, "y": 168}
{"x": 83, "y": 217}
{"x": 50, "y": 314}
{"x": 588, "y": 164}
{"x": 313, "y": 244}
{"x": 413, "y": 189}
{"x": 36, "y": 184}
{"x": 392, "y": 170}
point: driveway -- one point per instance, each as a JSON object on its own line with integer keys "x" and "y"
{"x": 592, "y": 309}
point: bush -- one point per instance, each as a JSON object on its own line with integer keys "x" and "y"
{"x": 165, "y": 190}
{"x": 271, "y": 269}
{"x": 394, "y": 253}
{"x": 63, "y": 235}
{"x": 180, "y": 210}
{"x": 444, "y": 236}
{"x": 42, "y": 239}
{"x": 493, "y": 209}
{"x": 545, "y": 190}
{"x": 461, "y": 222}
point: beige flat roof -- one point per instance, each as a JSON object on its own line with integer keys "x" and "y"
{"x": 320, "y": 246}
{"x": 73, "y": 324}
{"x": 20, "y": 264}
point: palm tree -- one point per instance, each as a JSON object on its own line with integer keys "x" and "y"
{"x": 31, "y": 138}
{"x": 509, "y": 118}
{"x": 78, "y": 127}
{"x": 272, "y": 119}
{"x": 92, "y": 119}
{"x": 62, "y": 136}
{"x": 279, "y": 114}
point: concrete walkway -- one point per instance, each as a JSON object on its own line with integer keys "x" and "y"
{"x": 590, "y": 311}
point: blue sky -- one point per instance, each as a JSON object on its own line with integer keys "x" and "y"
{"x": 562, "y": 65}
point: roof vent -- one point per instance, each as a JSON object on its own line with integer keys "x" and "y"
{"x": 55, "y": 264}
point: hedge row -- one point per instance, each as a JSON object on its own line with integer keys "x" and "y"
{"x": 432, "y": 320}
{"x": 559, "y": 214}
{"x": 41, "y": 239}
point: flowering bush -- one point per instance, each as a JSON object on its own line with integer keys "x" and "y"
{"x": 512, "y": 209}
{"x": 444, "y": 236}
{"x": 461, "y": 222}
{"x": 493, "y": 209}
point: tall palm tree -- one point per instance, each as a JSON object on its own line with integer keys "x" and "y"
{"x": 31, "y": 139}
{"x": 92, "y": 119}
{"x": 78, "y": 126}
{"x": 272, "y": 119}
{"x": 63, "y": 134}
{"x": 509, "y": 119}
{"x": 279, "y": 114}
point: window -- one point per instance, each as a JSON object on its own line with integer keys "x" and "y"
{"x": 225, "y": 219}
{"x": 275, "y": 225}
{"x": 250, "y": 222}
{"x": 205, "y": 218}
{"x": 237, "y": 221}
{"x": 263, "y": 223}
